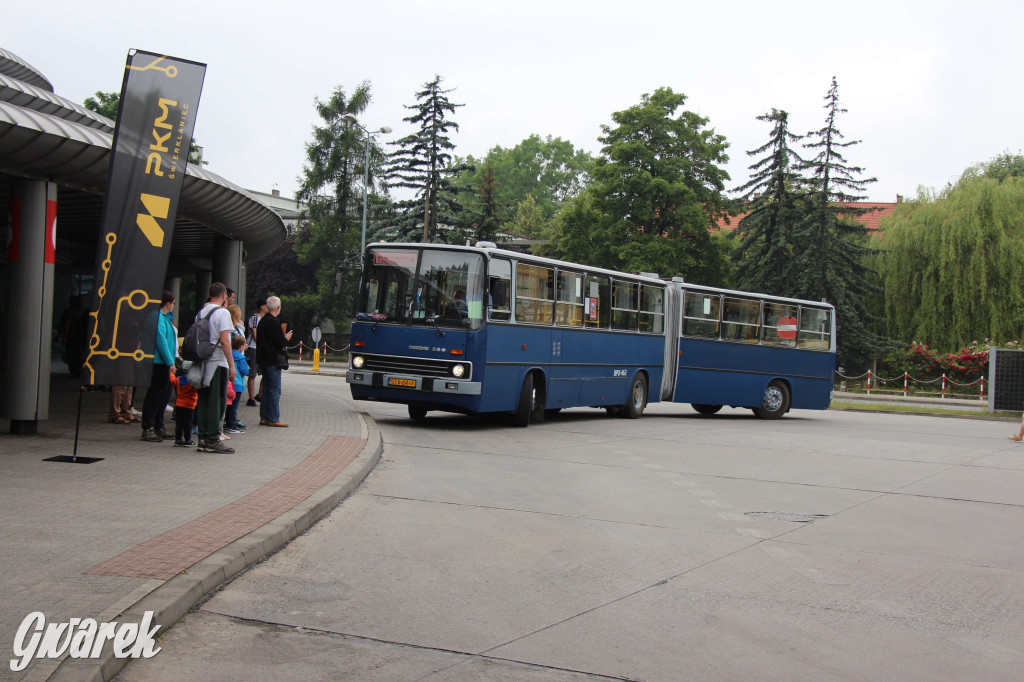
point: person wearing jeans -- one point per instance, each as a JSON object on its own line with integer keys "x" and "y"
{"x": 273, "y": 341}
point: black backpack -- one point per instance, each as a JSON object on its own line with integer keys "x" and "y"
{"x": 197, "y": 347}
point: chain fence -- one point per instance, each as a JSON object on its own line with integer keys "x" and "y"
{"x": 942, "y": 387}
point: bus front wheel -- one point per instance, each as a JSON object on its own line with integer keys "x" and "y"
{"x": 706, "y": 410}
{"x": 531, "y": 405}
{"x": 417, "y": 413}
{"x": 775, "y": 402}
{"x": 634, "y": 407}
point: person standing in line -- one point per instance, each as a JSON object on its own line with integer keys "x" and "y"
{"x": 184, "y": 406}
{"x": 217, "y": 371}
{"x": 231, "y": 423}
{"x": 165, "y": 350}
{"x": 273, "y": 341}
{"x": 250, "y": 353}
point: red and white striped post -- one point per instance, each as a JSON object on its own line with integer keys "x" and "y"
{"x": 904, "y": 384}
{"x": 982, "y": 398}
{"x": 943, "y": 385}
{"x": 869, "y": 382}
{"x": 300, "y": 351}
{"x": 325, "y": 351}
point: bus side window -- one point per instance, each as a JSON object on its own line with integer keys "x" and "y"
{"x": 624, "y": 305}
{"x": 700, "y": 315}
{"x": 652, "y": 309}
{"x": 535, "y": 294}
{"x": 740, "y": 320}
{"x": 597, "y": 302}
{"x": 499, "y": 304}
{"x": 815, "y": 328}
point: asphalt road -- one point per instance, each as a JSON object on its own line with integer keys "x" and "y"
{"x": 823, "y": 546}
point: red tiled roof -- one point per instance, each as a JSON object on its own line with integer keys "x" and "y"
{"x": 869, "y": 219}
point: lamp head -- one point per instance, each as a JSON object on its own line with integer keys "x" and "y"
{"x": 351, "y": 118}
{"x": 385, "y": 129}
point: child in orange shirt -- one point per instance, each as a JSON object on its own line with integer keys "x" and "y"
{"x": 183, "y": 406}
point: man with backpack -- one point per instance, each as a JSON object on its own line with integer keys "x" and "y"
{"x": 217, "y": 370}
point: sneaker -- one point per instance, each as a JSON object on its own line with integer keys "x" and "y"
{"x": 231, "y": 430}
{"x": 183, "y": 444}
{"x": 216, "y": 446}
{"x": 240, "y": 425}
{"x": 151, "y": 436}
{"x": 163, "y": 434}
{"x": 258, "y": 399}
{"x": 251, "y": 402}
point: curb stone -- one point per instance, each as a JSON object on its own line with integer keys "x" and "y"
{"x": 173, "y": 599}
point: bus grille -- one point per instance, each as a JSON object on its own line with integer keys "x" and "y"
{"x": 395, "y": 364}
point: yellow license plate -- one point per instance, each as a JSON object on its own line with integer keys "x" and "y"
{"x": 404, "y": 383}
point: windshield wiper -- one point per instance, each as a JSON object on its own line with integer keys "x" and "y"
{"x": 433, "y": 320}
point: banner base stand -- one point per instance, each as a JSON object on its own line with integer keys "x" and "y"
{"x": 71, "y": 459}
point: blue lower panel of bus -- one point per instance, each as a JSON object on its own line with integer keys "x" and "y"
{"x": 579, "y": 367}
{"x": 737, "y": 374}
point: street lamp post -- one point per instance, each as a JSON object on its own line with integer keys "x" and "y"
{"x": 351, "y": 118}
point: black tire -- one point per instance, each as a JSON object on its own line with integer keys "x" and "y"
{"x": 775, "y": 402}
{"x": 706, "y": 410}
{"x": 417, "y": 413}
{"x": 637, "y": 401}
{"x": 525, "y": 410}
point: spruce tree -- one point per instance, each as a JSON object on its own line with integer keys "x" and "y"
{"x": 423, "y": 163}
{"x": 764, "y": 256}
{"x": 831, "y": 244}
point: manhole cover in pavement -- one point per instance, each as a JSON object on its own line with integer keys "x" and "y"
{"x": 787, "y": 516}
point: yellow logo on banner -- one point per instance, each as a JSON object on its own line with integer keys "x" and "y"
{"x": 158, "y": 207}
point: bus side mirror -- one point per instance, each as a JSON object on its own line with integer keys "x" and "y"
{"x": 499, "y": 293}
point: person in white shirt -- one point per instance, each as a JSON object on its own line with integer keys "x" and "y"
{"x": 218, "y": 370}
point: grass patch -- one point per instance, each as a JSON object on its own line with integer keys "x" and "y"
{"x": 918, "y": 409}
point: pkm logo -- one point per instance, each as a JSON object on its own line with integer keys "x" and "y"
{"x": 156, "y": 207}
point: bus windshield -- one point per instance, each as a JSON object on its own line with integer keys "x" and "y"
{"x": 423, "y": 287}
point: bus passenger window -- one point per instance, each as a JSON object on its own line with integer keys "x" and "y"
{"x": 652, "y": 309}
{"x": 597, "y": 302}
{"x": 779, "y": 324}
{"x": 815, "y": 328}
{"x": 624, "y": 305}
{"x": 740, "y": 319}
{"x": 535, "y": 293}
{"x": 700, "y": 315}
{"x": 499, "y": 279}
{"x": 569, "y": 305}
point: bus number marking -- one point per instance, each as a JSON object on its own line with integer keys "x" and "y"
{"x": 620, "y": 372}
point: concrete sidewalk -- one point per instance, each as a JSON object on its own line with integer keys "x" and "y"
{"x": 153, "y": 527}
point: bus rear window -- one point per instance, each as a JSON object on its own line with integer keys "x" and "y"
{"x": 815, "y": 328}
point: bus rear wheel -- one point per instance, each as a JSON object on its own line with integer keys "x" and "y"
{"x": 417, "y": 413}
{"x": 706, "y": 410}
{"x": 634, "y": 407}
{"x": 775, "y": 402}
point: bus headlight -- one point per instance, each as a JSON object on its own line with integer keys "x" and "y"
{"x": 358, "y": 362}
{"x": 458, "y": 371}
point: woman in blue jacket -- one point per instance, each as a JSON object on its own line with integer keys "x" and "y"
{"x": 165, "y": 349}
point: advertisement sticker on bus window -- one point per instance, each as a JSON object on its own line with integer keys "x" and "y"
{"x": 405, "y": 258}
{"x": 707, "y": 305}
{"x": 592, "y": 308}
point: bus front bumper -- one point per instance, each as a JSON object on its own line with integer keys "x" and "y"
{"x": 411, "y": 383}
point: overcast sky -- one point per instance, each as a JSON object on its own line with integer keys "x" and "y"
{"x": 930, "y": 87}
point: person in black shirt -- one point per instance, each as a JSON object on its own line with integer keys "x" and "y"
{"x": 273, "y": 341}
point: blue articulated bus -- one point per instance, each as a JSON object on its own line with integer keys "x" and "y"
{"x": 485, "y": 330}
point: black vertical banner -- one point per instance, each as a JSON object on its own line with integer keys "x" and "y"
{"x": 155, "y": 120}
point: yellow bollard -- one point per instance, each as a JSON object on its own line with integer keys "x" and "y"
{"x": 316, "y": 359}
